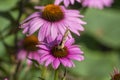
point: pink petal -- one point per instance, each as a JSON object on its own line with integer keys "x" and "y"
{"x": 49, "y": 39}
{"x": 39, "y": 7}
{"x": 61, "y": 28}
{"x": 76, "y": 57}
{"x": 66, "y": 62}
{"x": 44, "y": 58}
{"x": 41, "y": 51}
{"x": 73, "y": 11}
{"x": 25, "y": 30}
{"x": 35, "y": 25}
{"x": 36, "y": 14}
{"x": 22, "y": 55}
{"x": 66, "y": 2}
{"x": 69, "y": 42}
{"x": 49, "y": 61}
{"x": 72, "y": 1}
{"x": 74, "y": 30}
{"x": 53, "y": 31}
{"x": 56, "y": 63}
{"x": 44, "y": 47}
{"x": 48, "y": 27}
{"x": 44, "y": 31}
{"x": 74, "y": 50}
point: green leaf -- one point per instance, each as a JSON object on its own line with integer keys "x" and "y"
{"x": 3, "y": 23}
{"x": 7, "y": 4}
{"x": 104, "y": 26}
{"x": 10, "y": 40}
{"x": 2, "y": 50}
{"x": 14, "y": 14}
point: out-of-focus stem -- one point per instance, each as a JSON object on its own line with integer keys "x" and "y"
{"x": 43, "y": 74}
{"x": 56, "y": 74}
{"x": 64, "y": 77}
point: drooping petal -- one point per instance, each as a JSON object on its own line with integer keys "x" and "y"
{"x": 72, "y": 1}
{"x": 53, "y": 31}
{"x": 64, "y": 61}
{"x": 44, "y": 47}
{"x": 35, "y": 25}
{"x": 69, "y": 42}
{"x": 22, "y": 55}
{"x": 44, "y": 58}
{"x": 49, "y": 61}
{"x": 25, "y": 30}
{"x": 56, "y": 63}
{"x": 36, "y": 14}
{"x": 61, "y": 28}
{"x": 66, "y": 2}
{"x": 67, "y": 62}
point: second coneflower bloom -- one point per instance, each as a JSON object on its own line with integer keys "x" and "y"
{"x": 53, "y": 20}
{"x": 52, "y": 54}
{"x": 28, "y": 49}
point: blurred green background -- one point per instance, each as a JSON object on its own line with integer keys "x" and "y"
{"x": 100, "y": 41}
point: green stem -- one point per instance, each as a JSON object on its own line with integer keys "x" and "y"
{"x": 43, "y": 75}
{"x": 64, "y": 77}
{"x": 56, "y": 75}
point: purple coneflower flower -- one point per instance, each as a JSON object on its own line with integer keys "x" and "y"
{"x": 29, "y": 49}
{"x": 100, "y": 4}
{"x": 66, "y": 2}
{"x": 52, "y": 54}
{"x": 53, "y": 20}
{"x": 115, "y": 75}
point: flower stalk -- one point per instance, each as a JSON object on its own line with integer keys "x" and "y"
{"x": 43, "y": 75}
{"x": 56, "y": 74}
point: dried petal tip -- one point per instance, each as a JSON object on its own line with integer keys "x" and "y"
{"x": 115, "y": 75}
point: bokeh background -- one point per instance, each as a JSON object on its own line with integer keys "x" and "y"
{"x": 100, "y": 42}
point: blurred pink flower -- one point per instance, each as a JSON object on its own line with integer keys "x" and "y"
{"x": 6, "y": 79}
{"x": 53, "y": 20}
{"x": 115, "y": 75}
{"x": 66, "y": 2}
{"x": 28, "y": 49}
{"x": 51, "y": 54}
{"x": 100, "y": 4}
